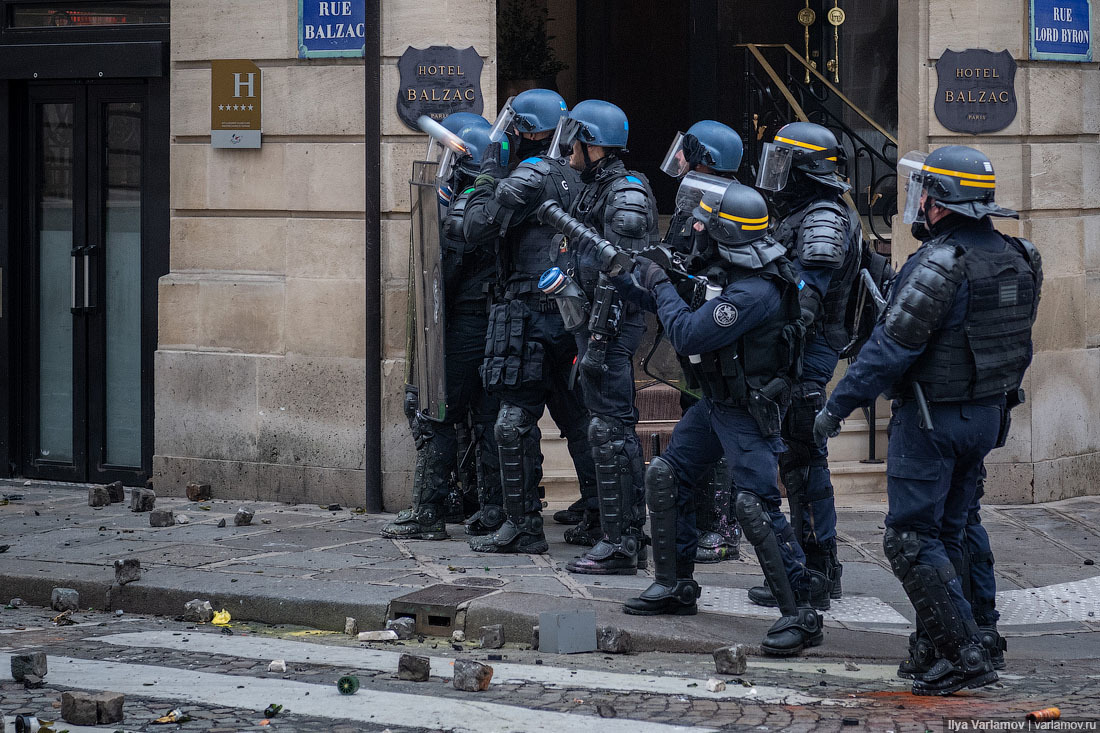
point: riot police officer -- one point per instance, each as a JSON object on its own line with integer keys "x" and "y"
{"x": 528, "y": 353}
{"x": 619, "y": 205}
{"x": 952, "y": 348}
{"x": 708, "y": 148}
{"x": 748, "y": 340}
{"x": 467, "y": 275}
{"x": 823, "y": 236}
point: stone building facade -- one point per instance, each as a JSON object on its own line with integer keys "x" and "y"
{"x": 258, "y": 375}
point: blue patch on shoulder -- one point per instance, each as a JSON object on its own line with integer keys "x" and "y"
{"x": 634, "y": 179}
{"x": 626, "y": 125}
{"x": 801, "y": 284}
{"x": 532, "y": 159}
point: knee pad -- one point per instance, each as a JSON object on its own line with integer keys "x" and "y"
{"x": 753, "y": 518}
{"x": 513, "y": 423}
{"x": 660, "y": 486}
{"x": 902, "y": 550}
{"x": 606, "y": 435}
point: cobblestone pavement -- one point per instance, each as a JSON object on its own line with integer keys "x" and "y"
{"x": 154, "y": 657}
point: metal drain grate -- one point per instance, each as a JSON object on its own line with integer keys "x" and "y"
{"x": 434, "y": 608}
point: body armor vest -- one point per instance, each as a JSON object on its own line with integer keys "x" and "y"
{"x": 833, "y": 320}
{"x": 467, "y": 272}
{"x": 988, "y": 353}
{"x": 772, "y": 349}
{"x": 529, "y": 248}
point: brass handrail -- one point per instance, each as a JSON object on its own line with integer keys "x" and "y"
{"x": 754, "y": 48}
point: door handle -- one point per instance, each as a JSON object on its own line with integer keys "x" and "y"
{"x": 87, "y": 291}
{"x": 72, "y": 273}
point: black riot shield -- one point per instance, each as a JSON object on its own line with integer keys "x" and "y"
{"x": 427, "y": 318}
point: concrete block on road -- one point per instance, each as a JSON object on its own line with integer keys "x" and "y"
{"x": 98, "y": 496}
{"x": 414, "y": 668}
{"x": 64, "y": 599}
{"x": 731, "y": 659}
{"x": 161, "y": 518}
{"x": 128, "y": 570}
{"x": 471, "y": 676}
{"x": 83, "y": 708}
{"x": 492, "y": 637}
{"x": 404, "y": 627}
{"x": 243, "y": 517}
{"x": 198, "y": 610}
{"x": 117, "y": 492}
{"x": 33, "y": 663}
{"x": 614, "y": 640}
{"x": 567, "y": 632}
{"x": 387, "y": 635}
{"x": 142, "y": 500}
{"x": 199, "y": 492}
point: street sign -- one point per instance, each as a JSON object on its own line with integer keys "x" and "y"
{"x": 331, "y": 28}
{"x": 236, "y": 96}
{"x": 977, "y": 90}
{"x": 1061, "y": 30}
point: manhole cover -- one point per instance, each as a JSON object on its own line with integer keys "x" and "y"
{"x": 434, "y": 608}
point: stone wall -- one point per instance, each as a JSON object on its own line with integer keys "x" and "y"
{"x": 259, "y": 371}
{"x": 460, "y": 24}
{"x": 1048, "y": 167}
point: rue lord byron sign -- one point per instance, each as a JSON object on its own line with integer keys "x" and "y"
{"x": 236, "y": 104}
{"x": 977, "y": 92}
{"x": 331, "y": 28}
{"x": 1061, "y": 30}
{"x": 438, "y": 81}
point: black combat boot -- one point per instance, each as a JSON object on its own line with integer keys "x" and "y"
{"x": 485, "y": 521}
{"x": 995, "y": 644}
{"x": 791, "y": 634}
{"x": 675, "y": 599}
{"x": 587, "y": 532}
{"x": 424, "y": 521}
{"x": 816, "y": 595}
{"x": 922, "y": 655}
{"x": 524, "y": 537}
{"x": 573, "y": 515}
{"x": 971, "y": 668}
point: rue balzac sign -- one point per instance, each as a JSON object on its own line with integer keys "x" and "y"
{"x": 438, "y": 81}
{"x": 977, "y": 92}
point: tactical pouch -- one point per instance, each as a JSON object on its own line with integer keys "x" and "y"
{"x": 765, "y": 412}
{"x": 505, "y": 346}
{"x": 1015, "y": 398}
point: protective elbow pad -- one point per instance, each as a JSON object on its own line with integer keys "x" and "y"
{"x": 925, "y": 297}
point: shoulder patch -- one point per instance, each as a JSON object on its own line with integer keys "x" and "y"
{"x": 725, "y": 315}
{"x": 634, "y": 179}
{"x": 533, "y": 159}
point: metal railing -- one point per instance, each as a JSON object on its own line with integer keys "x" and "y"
{"x": 796, "y": 90}
{"x": 793, "y": 89}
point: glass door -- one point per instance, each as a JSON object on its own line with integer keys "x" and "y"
{"x": 84, "y": 285}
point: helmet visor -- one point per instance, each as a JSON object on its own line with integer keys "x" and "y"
{"x": 503, "y": 122}
{"x": 910, "y": 168}
{"x": 696, "y": 186}
{"x": 675, "y": 164}
{"x": 914, "y": 186}
{"x": 775, "y": 167}
{"x": 561, "y": 144}
{"x": 446, "y": 165}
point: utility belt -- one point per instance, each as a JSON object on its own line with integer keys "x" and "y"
{"x": 1007, "y": 401}
{"x": 765, "y": 406}
{"x": 528, "y": 293}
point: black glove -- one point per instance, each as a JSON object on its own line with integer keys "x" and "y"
{"x": 492, "y": 162}
{"x": 649, "y": 273}
{"x": 826, "y": 425}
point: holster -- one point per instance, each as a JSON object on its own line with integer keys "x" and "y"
{"x": 764, "y": 406}
{"x": 1014, "y": 399}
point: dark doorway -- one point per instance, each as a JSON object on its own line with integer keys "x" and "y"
{"x": 91, "y": 214}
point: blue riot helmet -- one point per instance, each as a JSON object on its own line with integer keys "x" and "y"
{"x": 804, "y": 146}
{"x": 475, "y": 138}
{"x": 592, "y": 122}
{"x": 538, "y": 110}
{"x": 459, "y": 120}
{"x": 959, "y": 179}
{"x": 707, "y": 143}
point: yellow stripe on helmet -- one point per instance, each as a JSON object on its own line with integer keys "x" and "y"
{"x": 959, "y": 174}
{"x": 978, "y": 184}
{"x": 798, "y": 143}
{"x": 760, "y": 223}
